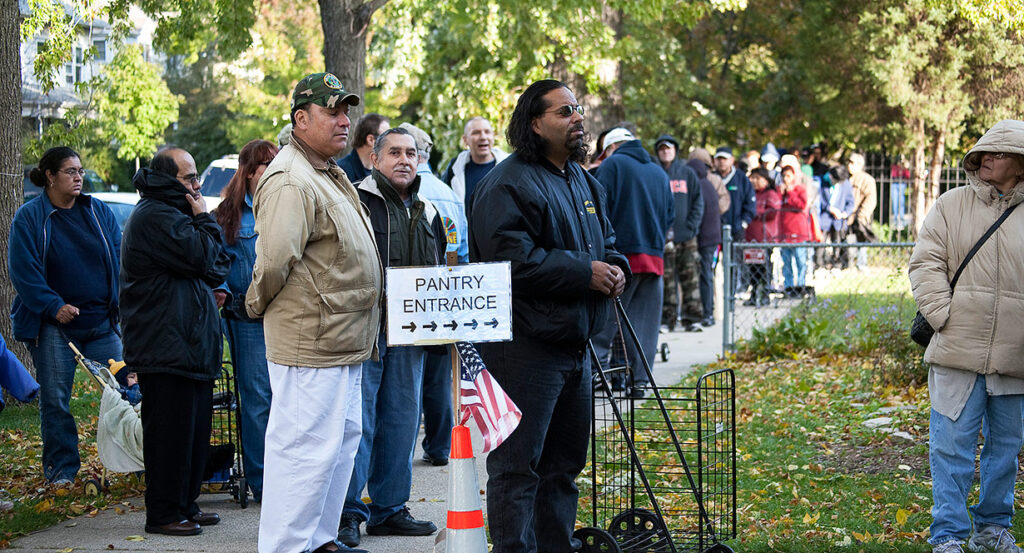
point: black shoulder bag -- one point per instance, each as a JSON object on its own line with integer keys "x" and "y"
{"x": 922, "y": 332}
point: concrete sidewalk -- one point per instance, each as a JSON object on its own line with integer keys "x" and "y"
{"x": 109, "y": 531}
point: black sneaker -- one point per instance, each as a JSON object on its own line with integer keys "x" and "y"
{"x": 348, "y": 530}
{"x": 692, "y": 327}
{"x": 707, "y": 321}
{"x": 402, "y": 524}
{"x": 435, "y": 461}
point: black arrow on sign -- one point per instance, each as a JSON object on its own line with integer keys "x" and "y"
{"x": 453, "y": 325}
{"x": 411, "y": 326}
{"x": 472, "y": 325}
{"x": 493, "y": 323}
{"x": 432, "y": 326}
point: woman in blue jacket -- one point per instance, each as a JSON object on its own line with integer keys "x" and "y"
{"x": 245, "y": 335}
{"x": 837, "y": 204}
{"x": 63, "y": 260}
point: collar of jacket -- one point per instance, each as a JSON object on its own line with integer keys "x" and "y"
{"x": 318, "y": 161}
{"x": 386, "y": 190}
{"x": 988, "y": 194}
{"x": 162, "y": 187}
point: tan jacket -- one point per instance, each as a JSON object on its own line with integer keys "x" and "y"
{"x": 317, "y": 280}
{"x": 724, "y": 201}
{"x": 865, "y": 194}
{"x": 980, "y": 326}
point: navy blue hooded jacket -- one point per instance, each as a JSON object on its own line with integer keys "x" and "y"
{"x": 26, "y": 261}
{"x": 743, "y": 207}
{"x": 640, "y": 206}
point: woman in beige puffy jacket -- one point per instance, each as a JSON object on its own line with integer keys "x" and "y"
{"x": 976, "y": 375}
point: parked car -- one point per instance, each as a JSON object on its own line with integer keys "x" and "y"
{"x": 217, "y": 175}
{"x": 121, "y": 203}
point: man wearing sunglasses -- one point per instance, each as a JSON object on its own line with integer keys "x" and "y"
{"x": 540, "y": 210}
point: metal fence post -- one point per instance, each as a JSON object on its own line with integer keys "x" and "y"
{"x": 727, "y": 294}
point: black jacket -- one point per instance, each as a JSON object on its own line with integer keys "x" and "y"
{"x": 686, "y": 194}
{"x": 428, "y": 226}
{"x": 170, "y": 263}
{"x": 711, "y": 223}
{"x": 551, "y": 226}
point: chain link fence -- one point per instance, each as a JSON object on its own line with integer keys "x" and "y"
{"x": 762, "y": 281}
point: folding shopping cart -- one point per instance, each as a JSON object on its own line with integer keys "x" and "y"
{"x": 662, "y": 475}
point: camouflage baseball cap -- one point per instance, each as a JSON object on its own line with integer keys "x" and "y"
{"x": 324, "y": 89}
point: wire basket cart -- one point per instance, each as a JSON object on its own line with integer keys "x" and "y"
{"x": 662, "y": 474}
{"x": 224, "y": 472}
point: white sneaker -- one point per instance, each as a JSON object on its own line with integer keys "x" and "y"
{"x": 993, "y": 539}
{"x": 951, "y": 546}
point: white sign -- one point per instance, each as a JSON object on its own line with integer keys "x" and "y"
{"x": 443, "y": 305}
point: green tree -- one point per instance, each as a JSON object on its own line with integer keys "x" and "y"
{"x": 133, "y": 104}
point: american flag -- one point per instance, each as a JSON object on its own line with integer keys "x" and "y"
{"x": 484, "y": 401}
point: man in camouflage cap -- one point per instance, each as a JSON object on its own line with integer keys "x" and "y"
{"x": 317, "y": 286}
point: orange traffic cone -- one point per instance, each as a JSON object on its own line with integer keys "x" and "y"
{"x": 465, "y": 528}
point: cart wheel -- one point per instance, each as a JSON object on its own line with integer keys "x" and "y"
{"x": 596, "y": 540}
{"x": 243, "y": 493}
{"x": 719, "y": 548}
{"x": 641, "y": 528}
{"x": 664, "y": 352}
{"x": 92, "y": 487}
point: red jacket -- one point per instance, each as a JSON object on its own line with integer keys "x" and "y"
{"x": 765, "y": 226}
{"x": 794, "y": 220}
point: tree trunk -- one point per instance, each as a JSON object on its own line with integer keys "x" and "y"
{"x": 345, "y": 24}
{"x": 11, "y": 191}
{"x": 917, "y": 176}
{"x": 935, "y": 174}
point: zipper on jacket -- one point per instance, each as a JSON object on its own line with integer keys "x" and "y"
{"x": 995, "y": 306}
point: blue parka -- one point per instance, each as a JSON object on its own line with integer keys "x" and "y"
{"x": 26, "y": 262}
{"x": 640, "y": 204}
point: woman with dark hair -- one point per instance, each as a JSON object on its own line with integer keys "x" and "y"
{"x": 764, "y": 228}
{"x": 245, "y": 335}
{"x": 63, "y": 257}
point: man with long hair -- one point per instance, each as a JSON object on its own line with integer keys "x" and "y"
{"x": 540, "y": 210}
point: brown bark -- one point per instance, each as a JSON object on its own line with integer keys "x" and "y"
{"x": 345, "y": 24}
{"x": 11, "y": 190}
{"x": 935, "y": 173}
{"x": 917, "y": 176}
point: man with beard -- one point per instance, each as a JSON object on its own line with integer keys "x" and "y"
{"x": 545, "y": 214}
{"x": 466, "y": 170}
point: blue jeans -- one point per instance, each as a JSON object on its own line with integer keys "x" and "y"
{"x": 531, "y": 484}
{"x": 794, "y": 257}
{"x": 951, "y": 453}
{"x": 391, "y": 422}
{"x": 55, "y": 372}
{"x": 642, "y": 301}
{"x": 437, "y": 406}
{"x": 249, "y": 355}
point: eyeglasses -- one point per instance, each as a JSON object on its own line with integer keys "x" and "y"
{"x": 190, "y": 178}
{"x": 999, "y": 155}
{"x": 566, "y": 110}
{"x": 72, "y": 172}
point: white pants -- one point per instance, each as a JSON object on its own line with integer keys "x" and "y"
{"x": 312, "y": 437}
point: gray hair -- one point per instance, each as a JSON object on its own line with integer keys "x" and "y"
{"x": 378, "y": 145}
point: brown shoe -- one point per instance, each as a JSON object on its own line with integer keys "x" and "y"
{"x": 180, "y": 528}
{"x": 205, "y": 519}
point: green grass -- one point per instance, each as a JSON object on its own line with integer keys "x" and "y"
{"x": 38, "y": 505}
{"x": 811, "y": 476}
